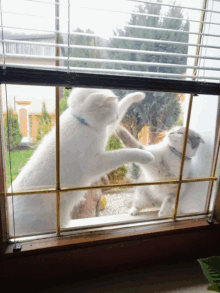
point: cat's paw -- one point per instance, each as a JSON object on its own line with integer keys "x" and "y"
{"x": 133, "y": 211}
{"x": 147, "y": 157}
{"x": 138, "y": 97}
{"x": 163, "y": 214}
{"x": 160, "y": 214}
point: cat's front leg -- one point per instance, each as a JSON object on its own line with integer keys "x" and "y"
{"x": 123, "y": 106}
{"x": 127, "y": 138}
{"x": 111, "y": 160}
{"x": 166, "y": 208}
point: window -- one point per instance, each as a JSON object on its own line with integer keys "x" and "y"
{"x": 70, "y": 56}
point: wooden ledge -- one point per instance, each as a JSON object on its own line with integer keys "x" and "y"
{"x": 108, "y": 235}
{"x": 112, "y": 249}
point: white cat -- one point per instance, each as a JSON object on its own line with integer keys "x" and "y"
{"x": 166, "y": 166}
{"x": 85, "y": 127}
{"x": 193, "y": 198}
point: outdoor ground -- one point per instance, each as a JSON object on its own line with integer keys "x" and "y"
{"x": 18, "y": 160}
{"x": 118, "y": 202}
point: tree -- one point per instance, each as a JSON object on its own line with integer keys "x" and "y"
{"x": 15, "y": 135}
{"x": 44, "y": 123}
{"x": 115, "y": 176}
{"x": 160, "y": 111}
{"x": 91, "y": 41}
{"x": 63, "y": 101}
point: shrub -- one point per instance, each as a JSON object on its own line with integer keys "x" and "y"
{"x": 44, "y": 123}
{"x": 15, "y": 135}
{"x": 118, "y": 174}
{"x": 63, "y": 101}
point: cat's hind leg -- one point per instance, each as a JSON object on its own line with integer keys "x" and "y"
{"x": 142, "y": 199}
{"x": 167, "y": 206}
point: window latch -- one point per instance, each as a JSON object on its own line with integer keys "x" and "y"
{"x": 210, "y": 221}
{"x": 17, "y": 247}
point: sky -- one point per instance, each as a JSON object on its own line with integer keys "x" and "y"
{"x": 100, "y": 21}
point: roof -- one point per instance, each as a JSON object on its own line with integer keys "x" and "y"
{"x": 12, "y": 36}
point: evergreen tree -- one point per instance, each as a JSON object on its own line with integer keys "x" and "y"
{"x": 63, "y": 101}
{"x": 15, "y": 135}
{"x": 160, "y": 111}
{"x": 44, "y": 123}
{"x": 91, "y": 41}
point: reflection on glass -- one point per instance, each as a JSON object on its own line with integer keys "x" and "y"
{"x": 193, "y": 197}
{"x": 215, "y": 185}
{"x": 33, "y": 214}
{"x": 107, "y": 206}
{"x": 31, "y": 117}
{"x": 203, "y": 122}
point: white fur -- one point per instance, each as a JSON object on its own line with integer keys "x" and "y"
{"x": 194, "y": 196}
{"x": 83, "y": 159}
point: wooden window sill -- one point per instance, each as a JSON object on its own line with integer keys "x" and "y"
{"x": 121, "y": 247}
{"x": 106, "y": 235}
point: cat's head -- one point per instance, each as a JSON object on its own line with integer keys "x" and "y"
{"x": 99, "y": 107}
{"x": 175, "y": 139}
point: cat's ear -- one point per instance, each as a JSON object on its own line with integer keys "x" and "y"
{"x": 136, "y": 97}
{"x": 198, "y": 136}
{"x": 201, "y": 140}
{"x": 108, "y": 101}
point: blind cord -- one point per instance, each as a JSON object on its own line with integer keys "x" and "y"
{"x": 16, "y": 245}
{"x": 68, "y": 65}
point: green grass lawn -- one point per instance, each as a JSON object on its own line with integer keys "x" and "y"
{"x": 18, "y": 160}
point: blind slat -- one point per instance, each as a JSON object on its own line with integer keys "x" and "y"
{"x": 109, "y": 49}
{"x": 25, "y": 56}
{"x": 170, "y": 48}
{"x": 31, "y": 15}
{"x": 150, "y": 40}
{"x": 145, "y": 14}
{"x": 132, "y": 39}
{"x": 174, "y": 6}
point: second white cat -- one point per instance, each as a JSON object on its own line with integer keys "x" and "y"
{"x": 166, "y": 166}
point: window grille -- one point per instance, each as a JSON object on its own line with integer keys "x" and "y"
{"x": 107, "y": 57}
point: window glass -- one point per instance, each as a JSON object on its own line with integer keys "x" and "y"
{"x": 31, "y": 117}
{"x": 106, "y": 138}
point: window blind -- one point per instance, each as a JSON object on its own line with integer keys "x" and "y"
{"x": 124, "y": 37}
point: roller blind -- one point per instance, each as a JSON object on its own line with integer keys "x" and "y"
{"x": 123, "y": 37}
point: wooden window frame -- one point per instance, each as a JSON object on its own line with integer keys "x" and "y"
{"x": 119, "y": 245}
